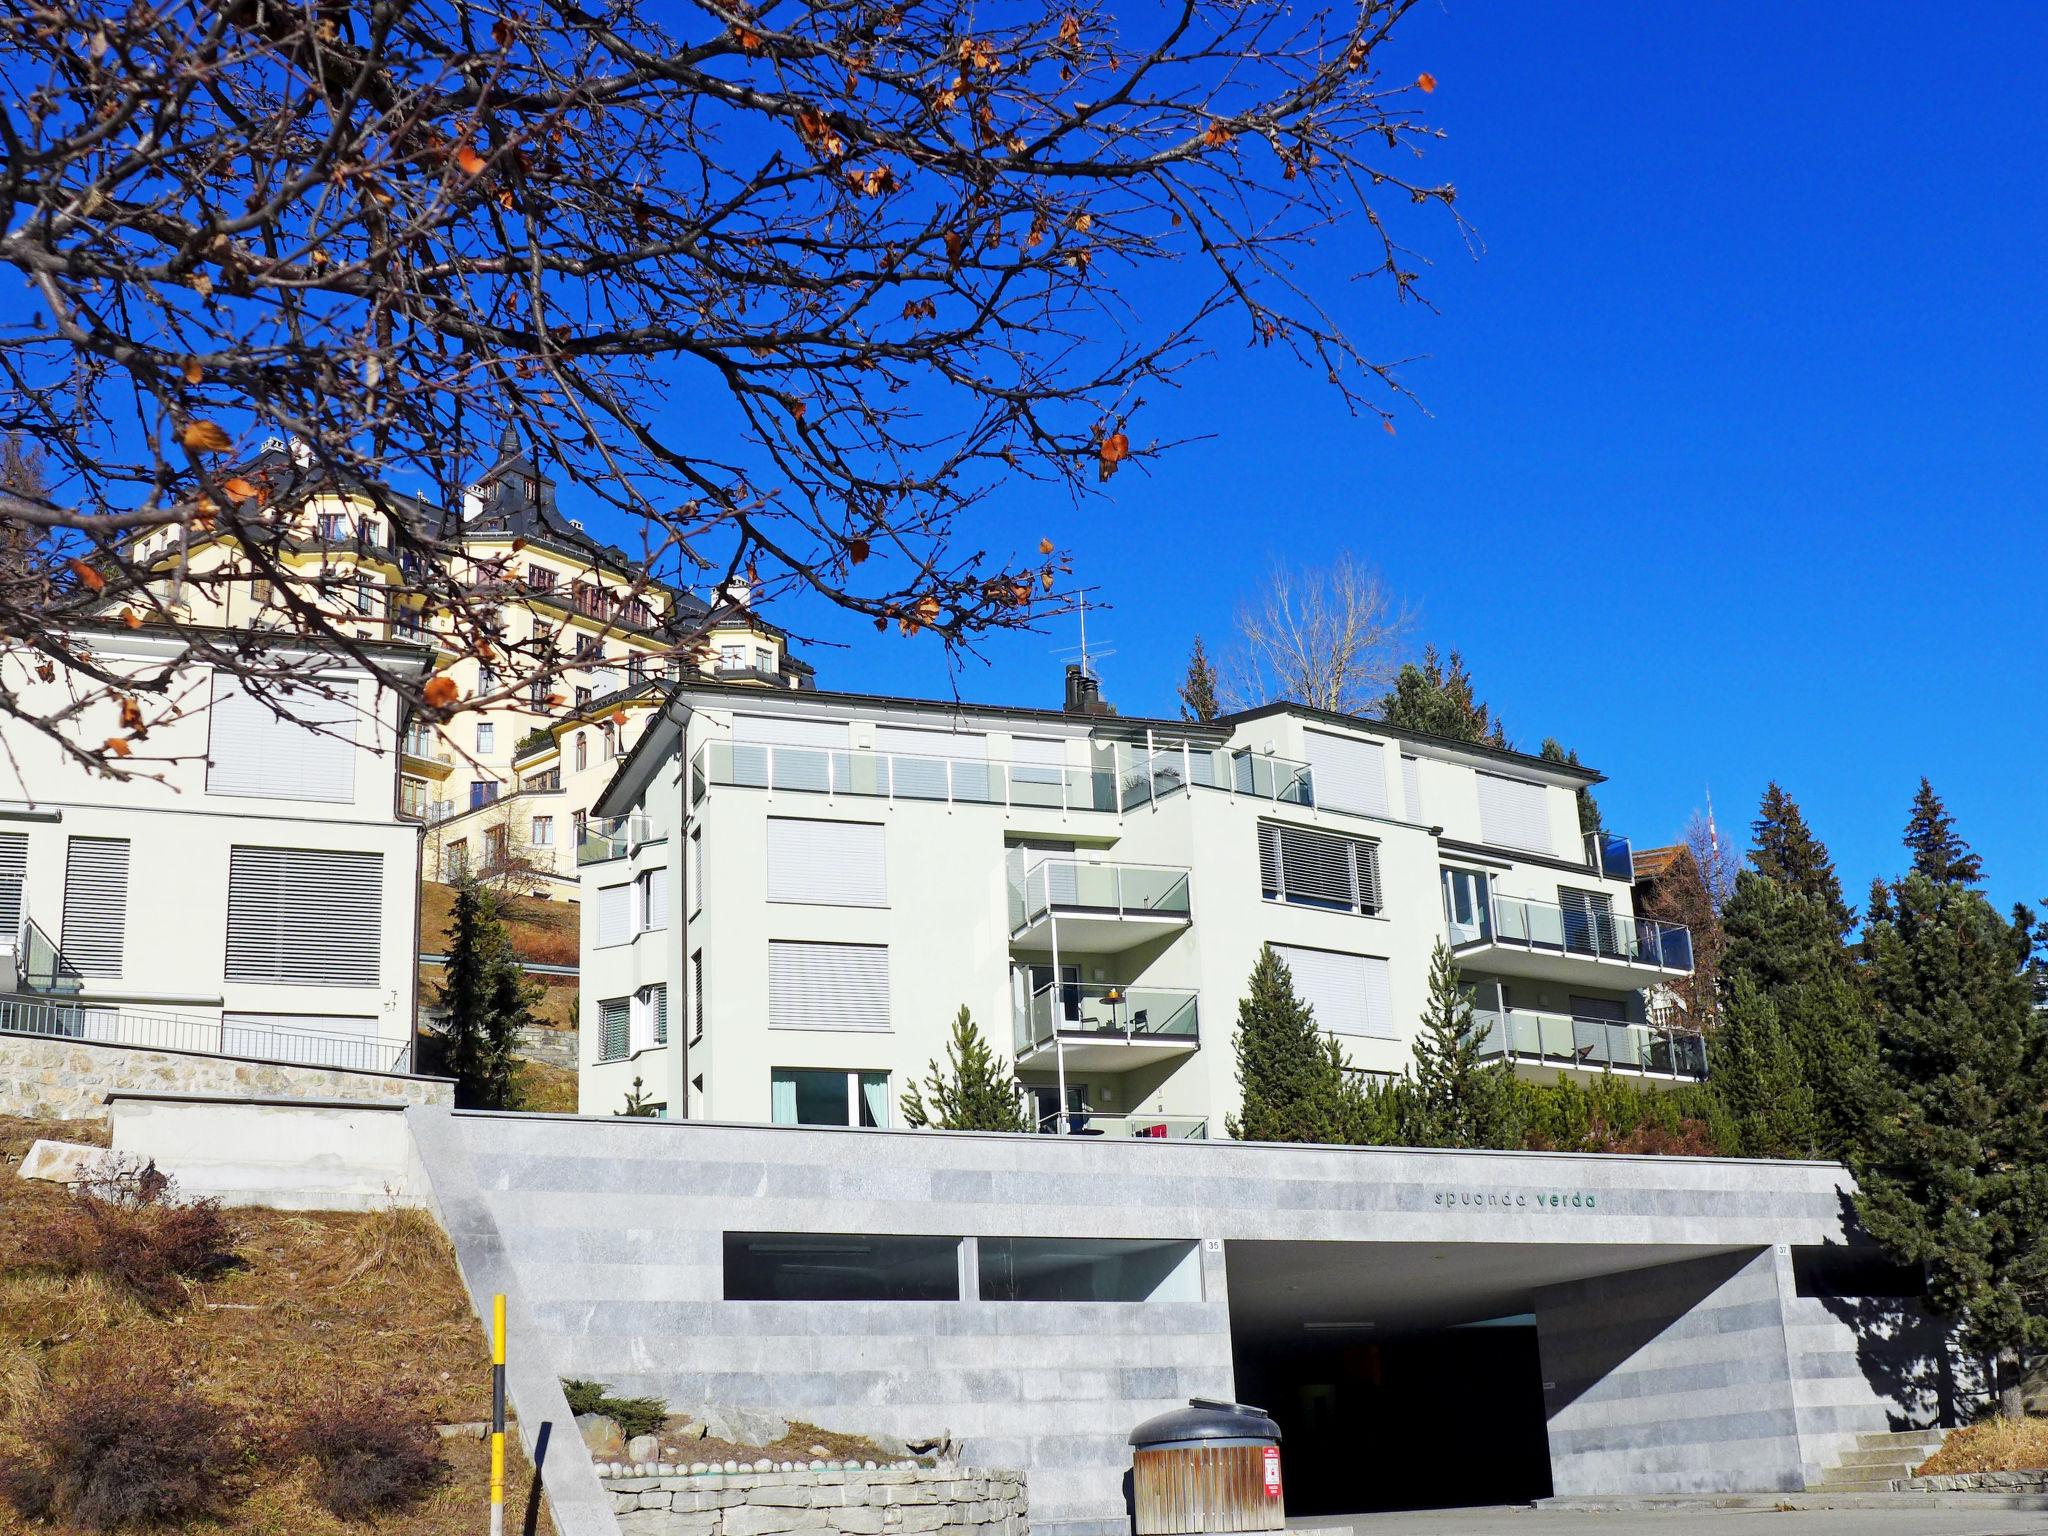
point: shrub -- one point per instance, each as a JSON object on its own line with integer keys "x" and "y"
{"x": 372, "y": 1452}
{"x": 633, "y": 1415}
{"x": 125, "y": 1444}
{"x": 125, "y": 1226}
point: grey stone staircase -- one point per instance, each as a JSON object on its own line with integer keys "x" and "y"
{"x": 1877, "y": 1461}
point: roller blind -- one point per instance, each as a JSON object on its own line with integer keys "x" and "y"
{"x": 94, "y": 936}
{"x": 614, "y": 915}
{"x": 1351, "y": 994}
{"x": 830, "y": 863}
{"x": 13, "y": 876}
{"x": 828, "y": 986}
{"x": 308, "y": 917}
{"x": 1512, "y": 814}
{"x": 1350, "y": 775}
{"x": 929, "y": 765}
{"x": 254, "y": 750}
{"x": 1317, "y": 868}
{"x": 787, "y": 731}
{"x": 1411, "y": 787}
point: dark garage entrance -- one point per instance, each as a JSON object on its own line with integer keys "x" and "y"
{"x": 1404, "y": 1375}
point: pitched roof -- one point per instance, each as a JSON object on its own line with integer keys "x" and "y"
{"x": 1654, "y": 863}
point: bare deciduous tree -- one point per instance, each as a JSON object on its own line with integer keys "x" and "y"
{"x": 789, "y": 288}
{"x": 1327, "y": 636}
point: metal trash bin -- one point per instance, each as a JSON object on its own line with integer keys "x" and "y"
{"x": 1208, "y": 1467}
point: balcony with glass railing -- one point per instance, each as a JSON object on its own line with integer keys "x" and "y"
{"x": 1080, "y": 907}
{"x": 1089, "y": 1122}
{"x": 1544, "y": 941}
{"x": 426, "y": 753}
{"x": 613, "y": 837}
{"x": 1093, "y": 1027}
{"x": 1525, "y": 1037}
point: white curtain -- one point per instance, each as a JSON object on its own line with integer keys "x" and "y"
{"x": 783, "y": 1108}
{"x": 874, "y": 1098}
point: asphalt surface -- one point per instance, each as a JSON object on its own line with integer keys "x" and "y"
{"x": 1520, "y": 1520}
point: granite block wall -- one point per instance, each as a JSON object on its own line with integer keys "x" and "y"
{"x": 924, "y": 1501}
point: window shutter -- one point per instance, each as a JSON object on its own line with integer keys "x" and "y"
{"x": 1411, "y": 786}
{"x": 307, "y": 917}
{"x": 803, "y": 759}
{"x": 615, "y": 1028}
{"x": 828, "y": 986}
{"x": 1588, "y": 921}
{"x": 1512, "y": 814}
{"x": 697, "y": 995}
{"x": 787, "y": 731}
{"x": 1350, "y": 775}
{"x": 253, "y": 750}
{"x": 657, "y": 1008}
{"x": 830, "y": 863}
{"x": 95, "y": 929}
{"x": 1269, "y": 859}
{"x": 614, "y": 915}
{"x": 1351, "y": 994}
{"x": 653, "y": 899}
{"x": 13, "y": 876}
{"x": 935, "y": 764}
{"x": 1319, "y": 868}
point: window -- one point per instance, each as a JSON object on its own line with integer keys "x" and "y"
{"x": 829, "y": 863}
{"x": 543, "y": 834}
{"x": 306, "y": 917}
{"x": 697, "y": 871}
{"x": 652, "y": 899}
{"x": 412, "y": 797}
{"x": 95, "y": 931}
{"x": 333, "y": 527}
{"x": 588, "y": 646}
{"x": 614, "y": 1029}
{"x": 610, "y": 733}
{"x": 579, "y": 827}
{"x": 482, "y": 793}
{"x": 1088, "y": 1269}
{"x": 13, "y": 876}
{"x": 697, "y": 996}
{"x": 486, "y": 737}
{"x": 652, "y": 1003}
{"x": 487, "y": 679}
{"x": 1411, "y": 787}
{"x": 307, "y": 752}
{"x": 828, "y": 986}
{"x": 811, "y": 1266}
{"x": 1350, "y": 775}
{"x": 614, "y": 915}
{"x": 457, "y": 859}
{"x": 1319, "y": 869}
{"x": 764, "y": 659}
{"x": 538, "y": 694}
{"x": 806, "y": 1096}
{"x": 583, "y": 698}
{"x": 1512, "y": 814}
{"x": 494, "y": 848}
{"x": 366, "y": 595}
{"x": 582, "y": 748}
{"x": 1588, "y": 921}
{"x": 732, "y": 658}
{"x": 1351, "y": 994}
{"x": 1466, "y": 908}
{"x": 540, "y": 579}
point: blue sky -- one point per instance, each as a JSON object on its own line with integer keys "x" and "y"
{"x": 1733, "y": 465}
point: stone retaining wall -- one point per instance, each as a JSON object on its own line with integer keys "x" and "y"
{"x": 1975, "y": 1482}
{"x": 44, "y": 1077}
{"x": 817, "y": 1501}
{"x": 555, "y": 1047}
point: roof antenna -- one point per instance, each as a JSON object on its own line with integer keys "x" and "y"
{"x": 1082, "y": 654}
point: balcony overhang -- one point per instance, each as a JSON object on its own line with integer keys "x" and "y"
{"x": 1095, "y": 930}
{"x": 1566, "y": 967}
{"x": 426, "y": 767}
{"x": 1087, "y": 1050}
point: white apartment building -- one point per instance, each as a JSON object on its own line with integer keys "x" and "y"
{"x": 804, "y": 888}
{"x": 251, "y": 892}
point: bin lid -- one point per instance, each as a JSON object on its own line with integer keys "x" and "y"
{"x": 1206, "y": 1418}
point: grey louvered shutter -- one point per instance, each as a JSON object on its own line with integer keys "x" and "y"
{"x": 307, "y": 917}
{"x": 828, "y": 863}
{"x": 1588, "y": 921}
{"x": 1512, "y": 814}
{"x": 1269, "y": 860}
{"x": 657, "y": 1004}
{"x": 95, "y": 932}
{"x": 1320, "y": 868}
{"x": 1350, "y": 775}
{"x": 1367, "y": 858}
{"x": 13, "y": 876}
{"x": 308, "y": 752}
{"x": 828, "y": 986}
{"x": 615, "y": 1028}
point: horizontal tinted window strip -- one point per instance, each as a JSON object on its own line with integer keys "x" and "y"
{"x": 1089, "y": 1269}
{"x": 1827, "y": 1270}
{"x": 852, "y": 1266}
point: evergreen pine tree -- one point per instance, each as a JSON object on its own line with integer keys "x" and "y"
{"x": 1938, "y": 850}
{"x": 1953, "y": 1173}
{"x": 977, "y": 1091}
{"x": 1589, "y": 808}
{"x": 1437, "y": 697}
{"x": 1759, "y": 1077}
{"x": 637, "y": 1105}
{"x": 1291, "y": 1078}
{"x": 485, "y": 997}
{"x": 1459, "y": 1100}
{"x": 1198, "y": 689}
{"x": 1787, "y": 852}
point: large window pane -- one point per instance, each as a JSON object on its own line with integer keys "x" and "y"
{"x": 804, "y": 1266}
{"x": 1089, "y": 1269}
{"x": 809, "y": 1098}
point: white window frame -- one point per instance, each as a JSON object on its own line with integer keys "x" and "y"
{"x": 854, "y": 1102}
{"x": 647, "y": 885}
{"x": 542, "y": 834}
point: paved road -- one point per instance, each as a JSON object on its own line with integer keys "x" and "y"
{"x": 1519, "y": 1520}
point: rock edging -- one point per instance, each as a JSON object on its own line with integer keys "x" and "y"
{"x": 1974, "y": 1482}
{"x": 815, "y": 1499}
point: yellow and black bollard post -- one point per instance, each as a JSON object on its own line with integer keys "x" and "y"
{"x": 498, "y": 1414}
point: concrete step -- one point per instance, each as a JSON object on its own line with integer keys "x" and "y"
{"x": 1833, "y": 1484}
{"x": 1899, "y": 1439}
{"x": 1887, "y": 1456}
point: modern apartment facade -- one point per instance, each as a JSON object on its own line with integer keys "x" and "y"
{"x": 251, "y": 891}
{"x": 802, "y": 890}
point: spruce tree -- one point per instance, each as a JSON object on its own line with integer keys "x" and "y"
{"x": 977, "y": 1091}
{"x": 1589, "y": 808}
{"x": 1198, "y": 688}
{"x": 1939, "y": 852}
{"x": 485, "y": 997}
{"x": 1458, "y": 1099}
{"x": 1787, "y": 853}
{"x": 1437, "y": 697}
{"x": 1953, "y": 1174}
{"x": 1291, "y": 1078}
{"x": 638, "y": 1107}
{"x": 1759, "y": 1077}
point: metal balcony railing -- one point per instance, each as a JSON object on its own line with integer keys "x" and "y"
{"x": 1088, "y": 1122}
{"x": 613, "y": 837}
{"x": 201, "y": 1036}
{"x": 1099, "y": 890}
{"x": 1611, "y": 855}
{"x": 1107, "y": 1015}
{"x": 1556, "y": 1039}
{"x": 1600, "y": 935}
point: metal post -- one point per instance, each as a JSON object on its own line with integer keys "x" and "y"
{"x": 1059, "y": 1003}
{"x": 498, "y": 1414}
